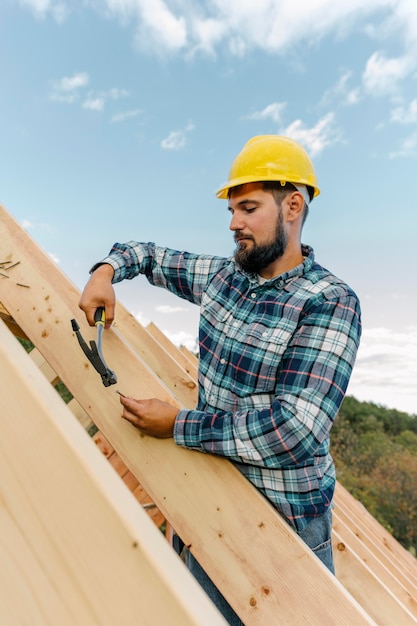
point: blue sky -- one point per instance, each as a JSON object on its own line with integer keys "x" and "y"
{"x": 120, "y": 118}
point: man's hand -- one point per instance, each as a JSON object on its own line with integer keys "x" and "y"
{"x": 153, "y": 417}
{"x": 99, "y": 292}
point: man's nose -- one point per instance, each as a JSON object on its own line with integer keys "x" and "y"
{"x": 236, "y": 223}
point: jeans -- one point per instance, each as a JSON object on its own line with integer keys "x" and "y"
{"x": 317, "y": 535}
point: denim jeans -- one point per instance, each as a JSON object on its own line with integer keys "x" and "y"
{"x": 317, "y": 535}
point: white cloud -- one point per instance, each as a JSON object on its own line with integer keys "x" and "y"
{"x": 27, "y": 225}
{"x": 66, "y": 89}
{"x": 97, "y": 100}
{"x": 183, "y": 339}
{"x": 142, "y": 319}
{"x": 177, "y": 139}
{"x": 94, "y": 104}
{"x": 115, "y": 94}
{"x": 243, "y": 25}
{"x": 271, "y": 111}
{"x": 405, "y": 115}
{"x": 167, "y": 308}
{"x": 342, "y": 92}
{"x": 408, "y": 147}
{"x": 125, "y": 115}
{"x": 386, "y": 368}
{"x": 382, "y": 75}
{"x": 54, "y": 258}
{"x": 317, "y": 138}
{"x": 41, "y": 8}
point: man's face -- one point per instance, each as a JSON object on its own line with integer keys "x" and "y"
{"x": 258, "y": 228}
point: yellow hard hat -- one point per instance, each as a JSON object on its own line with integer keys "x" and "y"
{"x": 271, "y": 157}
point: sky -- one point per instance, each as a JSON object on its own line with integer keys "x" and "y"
{"x": 120, "y": 119}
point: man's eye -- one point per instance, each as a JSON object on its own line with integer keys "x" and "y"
{"x": 250, "y": 209}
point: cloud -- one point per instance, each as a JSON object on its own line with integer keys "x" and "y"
{"x": 177, "y": 139}
{"x": 386, "y": 368}
{"x": 66, "y": 89}
{"x": 41, "y": 8}
{"x": 408, "y": 147}
{"x": 142, "y": 319}
{"x": 94, "y": 104}
{"x": 241, "y": 26}
{"x": 183, "y": 339}
{"x": 405, "y": 115}
{"x": 167, "y": 308}
{"x": 96, "y": 100}
{"x": 54, "y": 258}
{"x": 317, "y": 138}
{"x": 341, "y": 92}
{"x": 125, "y": 115}
{"x": 271, "y": 111}
{"x": 382, "y": 75}
{"x": 27, "y": 225}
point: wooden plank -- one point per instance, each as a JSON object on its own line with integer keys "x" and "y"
{"x": 41, "y": 363}
{"x": 84, "y": 419}
{"x": 129, "y": 479}
{"x": 364, "y": 585}
{"x": 9, "y": 321}
{"x": 366, "y": 538}
{"x": 167, "y": 368}
{"x": 369, "y": 526}
{"x": 190, "y": 356}
{"x": 87, "y": 553}
{"x": 167, "y": 344}
{"x": 398, "y": 601}
{"x": 261, "y": 565}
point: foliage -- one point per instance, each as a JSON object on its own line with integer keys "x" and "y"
{"x": 375, "y": 451}
{"x": 28, "y": 345}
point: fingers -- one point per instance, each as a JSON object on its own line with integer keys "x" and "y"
{"x": 99, "y": 292}
{"x": 132, "y": 411}
{"x": 152, "y": 417}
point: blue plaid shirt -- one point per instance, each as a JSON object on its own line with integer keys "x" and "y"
{"x": 275, "y": 362}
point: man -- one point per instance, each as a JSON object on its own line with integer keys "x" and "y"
{"x": 278, "y": 338}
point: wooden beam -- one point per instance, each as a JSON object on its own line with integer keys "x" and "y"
{"x": 376, "y": 587}
{"x": 259, "y": 563}
{"x": 75, "y": 547}
{"x": 10, "y": 323}
{"x": 181, "y": 358}
{"x": 367, "y": 525}
{"x": 164, "y": 366}
{"x": 365, "y": 537}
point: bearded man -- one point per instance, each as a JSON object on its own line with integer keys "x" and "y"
{"x": 278, "y": 339}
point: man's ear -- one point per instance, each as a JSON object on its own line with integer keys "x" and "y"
{"x": 295, "y": 203}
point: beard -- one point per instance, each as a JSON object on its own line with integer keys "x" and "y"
{"x": 258, "y": 257}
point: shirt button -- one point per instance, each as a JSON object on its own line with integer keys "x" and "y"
{"x": 253, "y": 295}
{"x": 235, "y": 324}
{"x": 222, "y": 361}
{"x": 265, "y": 334}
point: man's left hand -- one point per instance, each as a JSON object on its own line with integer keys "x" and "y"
{"x": 153, "y": 417}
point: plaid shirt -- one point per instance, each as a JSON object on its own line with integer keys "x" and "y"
{"x": 275, "y": 362}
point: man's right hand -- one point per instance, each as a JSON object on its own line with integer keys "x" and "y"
{"x": 99, "y": 292}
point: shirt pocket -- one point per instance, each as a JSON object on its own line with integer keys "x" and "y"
{"x": 255, "y": 357}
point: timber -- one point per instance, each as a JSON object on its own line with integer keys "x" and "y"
{"x": 75, "y": 547}
{"x": 260, "y": 565}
